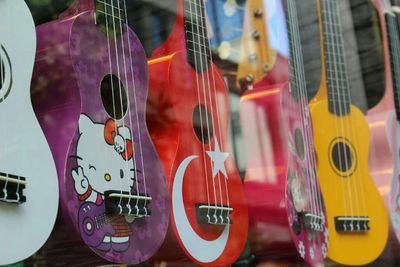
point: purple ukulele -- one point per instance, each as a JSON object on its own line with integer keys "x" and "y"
{"x": 89, "y": 92}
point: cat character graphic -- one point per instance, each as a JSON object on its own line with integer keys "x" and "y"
{"x": 104, "y": 162}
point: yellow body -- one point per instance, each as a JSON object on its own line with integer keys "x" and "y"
{"x": 352, "y": 193}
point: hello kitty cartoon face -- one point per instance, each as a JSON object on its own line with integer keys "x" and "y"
{"x": 105, "y": 159}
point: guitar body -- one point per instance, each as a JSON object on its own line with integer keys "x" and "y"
{"x": 85, "y": 137}
{"x": 276, "y": 181}
{"x": 24, "y": 227}
{"x": 349, "y": 190}
{"x": 385, "y": 134}
{"x": 171, "y": 116}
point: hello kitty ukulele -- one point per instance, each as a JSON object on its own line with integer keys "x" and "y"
{"x": 91, "y": 104}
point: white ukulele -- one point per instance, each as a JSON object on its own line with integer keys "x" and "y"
{"x": 28, "y": 177}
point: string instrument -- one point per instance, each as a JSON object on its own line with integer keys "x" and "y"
{"x": 28, "y": 184}
{"x": 356, "y": 213}
{"x": 259, "y": 61}
{"x": 383, "y": 118}
{"x": 225, "y": 19}
{"x": 187, "y": 114}
{"x": 90, "y": 89}
{"x": 286, "y": 209}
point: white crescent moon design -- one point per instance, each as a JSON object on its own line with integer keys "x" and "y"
{"x": 202, "y": 250}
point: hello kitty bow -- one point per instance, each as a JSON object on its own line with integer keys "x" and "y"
{"x": 120, "y": 138}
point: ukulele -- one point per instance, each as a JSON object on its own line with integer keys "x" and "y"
{"x": 356, "y": 213}
{"x": 91, "y": 104}
{"x": 28, "y": 184}
{"x": 187, "y": 114}
{"x": 259, "y": 62}
{"x": 285, "y": 204}
{"x": 384, "y": 118}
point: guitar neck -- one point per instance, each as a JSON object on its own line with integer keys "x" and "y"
{"x": 197, "y": 43}
{"x": 337, "y": 82}
{"x": 111, "y": 16}
{"x": 296, "y": 67}
{"x": 394, "y": 51}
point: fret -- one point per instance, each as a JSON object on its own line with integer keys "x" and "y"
{"x": 204, "y": 47}
{"x": 394, "y": 52}
{"x": 197, "y": 43}
{"x": 335, "y": 64}
{"x": 198, "y": 52}
{"x": 110, "y": 15}
{"x": 195, "y": 33}
{"x": 112, "y": 5}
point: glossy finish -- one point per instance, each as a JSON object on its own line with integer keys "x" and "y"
{"x": 24, "y": 227}
{"x": 71, "y": 111}
{"x": 270, "y": 117}
{"x": 171, "y": 103}
{"x": 384, "y": 155}
{"x": 194, "y": 177}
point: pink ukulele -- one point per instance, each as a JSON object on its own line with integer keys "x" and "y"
{"x": 384, "y": 118}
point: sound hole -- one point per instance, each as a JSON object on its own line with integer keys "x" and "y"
{"x": 5, "y": 74}
{"x": 202, "y": 124}
{"x": 2, "y": 73}
{"x": 113, "y": 95}
{"x": 342, "y": 157}
{"x": 299, "y": 143}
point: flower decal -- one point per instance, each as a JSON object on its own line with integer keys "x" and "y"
{"x": 302, "y": 249}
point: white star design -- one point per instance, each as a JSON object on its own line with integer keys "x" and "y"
{"x": 218, "y": 159}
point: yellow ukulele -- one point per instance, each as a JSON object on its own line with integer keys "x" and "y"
{"x": 357, "y": 218}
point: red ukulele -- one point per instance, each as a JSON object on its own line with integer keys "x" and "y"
{"x": 187, "y": 115}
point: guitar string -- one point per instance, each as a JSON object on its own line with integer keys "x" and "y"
{"x": 188, "y": 2}
{"x": 306, "y": 119}
{"x": 308, "y": 126}
{"x": 112, "y": 80}
{"x": 119, "y": 88}
{"x": 136, "y": 109}
{"x": 394, "y": 52}
{"x": 203, "y": 49}
{"x": 340, "y": 98}
{"x": 127, "y": 167}
{"x": 206, "y": 84}
{"x": 347, "y": 126}
{"x": 394, "y": 46}
{"x": 359, "y": 189}
{"x": 297, "y": 57}
{"x": 207, "y": 40}
{"x": 131, "y": 129}
{"x": 395, "y": 39}
{"x": 331, "y": 100}
{"x": 110, "y": 66}
{"x": 126, "y": 32}
{"x": 294, "y": 85}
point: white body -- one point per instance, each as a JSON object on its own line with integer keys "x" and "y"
{"x": 24, "y": 228}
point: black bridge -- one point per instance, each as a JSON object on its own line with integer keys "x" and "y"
{"x": 12, "y": 188}
{"x": 352, "y": 224}
{"x": 313, "y": 222}
{"x": 125, "y": 203}
{"x": 309, "y": 222}
{"x": 213, "y": 214}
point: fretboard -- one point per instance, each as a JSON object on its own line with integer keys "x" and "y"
{"x": 197, "y": 43}
{"x": 296, "y": 67}
{"x": 110, "y": 16}
{"x": 394, "y": 51}
{"x": 335, "y": 66}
